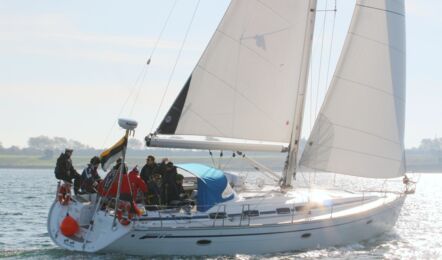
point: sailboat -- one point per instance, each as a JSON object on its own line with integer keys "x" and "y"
{"x": 247, "y": 93}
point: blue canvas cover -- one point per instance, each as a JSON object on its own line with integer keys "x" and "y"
{"x": 211, "y": 184}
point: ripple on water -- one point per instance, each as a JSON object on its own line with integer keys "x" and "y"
{"x": 11, "y": 214}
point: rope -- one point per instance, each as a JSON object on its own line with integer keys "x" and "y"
{"x": 320, "y": 59}
{"x": 312, "y": 116}
{"x": 331, "y": 44}
{"x": 174, "y": 66}
{"x": 152, "y": 53}
{"x": 122, "y": 107}
{"x": 316, "y": 115}
{"x": 211, "y": 157}
{"x": 141, "y": 75}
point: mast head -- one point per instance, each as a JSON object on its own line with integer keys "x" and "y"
{"x": 127, "y": 124}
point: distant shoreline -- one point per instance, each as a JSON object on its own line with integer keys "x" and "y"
{"x": 415, "y": 162}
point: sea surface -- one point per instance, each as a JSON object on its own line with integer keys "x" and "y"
{"x": 26, "y": 195}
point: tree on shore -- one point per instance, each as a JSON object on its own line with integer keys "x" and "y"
{"x": 43, "y": 143}
{"x": 428, "y": 144}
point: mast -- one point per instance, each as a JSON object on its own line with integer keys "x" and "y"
{"x": 291, "y": 162}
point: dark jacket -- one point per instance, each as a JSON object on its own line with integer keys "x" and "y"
{"x": 169, "y": 185}
{"x": 64, "y": 169}
{"x": 154, "y": 194}
{"x": 147, "y": 171}
{"x": 89, "y": 179}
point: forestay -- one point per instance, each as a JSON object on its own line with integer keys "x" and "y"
{"x": 246, "y": 83}
{"x": 360, "y": 128}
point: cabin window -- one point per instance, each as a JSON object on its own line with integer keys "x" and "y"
{"x": 217, "y": 215}
{"x": 283, "y": 210}
{"x": 306, "y": 235}
{"x": 203, "y": 242}
{"x": 250, "y": 213}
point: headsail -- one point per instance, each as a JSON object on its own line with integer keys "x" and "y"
{"x": 360, "y": 128}
{"x": 246, "y": 83}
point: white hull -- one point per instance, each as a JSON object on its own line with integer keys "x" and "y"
{"x": 255, "y": 235}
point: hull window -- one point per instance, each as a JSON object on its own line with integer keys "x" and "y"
{"x": 250, "y": 213}
{"x": 203, "y": 242}
{"x": 283, "y": 210}
{"x": 306, "y": 235}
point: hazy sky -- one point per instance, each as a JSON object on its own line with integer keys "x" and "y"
{"x": 71, "y": 68}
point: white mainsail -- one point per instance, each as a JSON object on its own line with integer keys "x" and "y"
{"x": 247, "y": 82}
{"x": 360, "y": 128}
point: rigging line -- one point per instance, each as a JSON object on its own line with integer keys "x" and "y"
{"x": 123, "y": 106}
{"x": 137, "y": 93}
{"x": 316, "y": 116}
{"x": 227, "y": 164}
{"x": 331, "y": 46}
{"x": 211, "y": 157}
{"x": 311, "y": 95}
{"x": 320, "y": 59}
{"x": 174, "y": 66}
{"x": 155, "y": 47}
{"x": 141, "y": 75}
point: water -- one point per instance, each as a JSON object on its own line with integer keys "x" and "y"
{"x": 26, "y": 195}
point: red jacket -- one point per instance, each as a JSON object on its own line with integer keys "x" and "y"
{"x": 136, "y": 184}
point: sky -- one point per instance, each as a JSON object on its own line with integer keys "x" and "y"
{"x": 71, "y": 68}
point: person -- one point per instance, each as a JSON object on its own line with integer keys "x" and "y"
{"x": 179, "y": 186}
{"x": 148, "y": 169}
{"x": 90, "y": 177}
{"x": 108, "y": 187}
{"x": 162, "y": 166}
{"x": 154, "y": 194}
{"x": 169, "y": 185}
{"x": 131, "y": 183}
{"x": 181, "y": 198}
{"x": 137, "y": 184}
{"x": 65, "y": 171}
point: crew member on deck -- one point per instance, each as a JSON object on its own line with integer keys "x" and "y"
{"x": 65, "y": 171}
{"x": 89, "y": 177}
{"x": 148, "y": 169}
{"x": 169, "y": 183}
{"x": 154, "y": 194}
{"x": 137, "y": 185}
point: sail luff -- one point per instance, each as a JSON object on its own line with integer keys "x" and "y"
{"x": 360, "y": 128}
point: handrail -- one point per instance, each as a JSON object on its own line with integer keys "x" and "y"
{"x": 293, "y": 212}
{"x": 240, "y": 218}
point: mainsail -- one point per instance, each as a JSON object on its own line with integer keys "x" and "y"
{"x": 247, "y": 82}
{"x": 360, "y": 128}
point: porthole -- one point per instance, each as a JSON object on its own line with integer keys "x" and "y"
{"x": 283, "y": 210}
{"x": 203, "y": 242}
{"x": 306, "y": 235}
